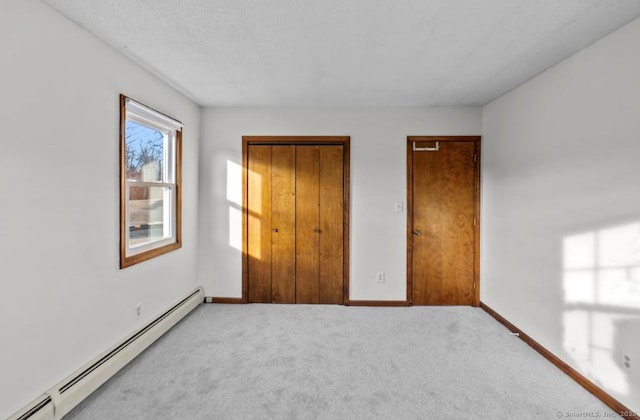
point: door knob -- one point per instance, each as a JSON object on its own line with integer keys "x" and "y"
{"x": 417, "y": 232}
{"x": 274, "y": 230}
{"x": 317, "y": 230}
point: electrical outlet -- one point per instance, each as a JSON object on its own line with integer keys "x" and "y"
{"x": 138, "y": 310}
{"x": 626, "y": 361}
{"x": 380, "y": 277}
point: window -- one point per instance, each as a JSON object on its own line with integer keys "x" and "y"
{"x": 150, "y": 197}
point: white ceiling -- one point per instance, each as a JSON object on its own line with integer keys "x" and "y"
{"x": 347, "y": 52}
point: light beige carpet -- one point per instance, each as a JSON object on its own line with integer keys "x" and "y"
{"x": 335, "y": 362}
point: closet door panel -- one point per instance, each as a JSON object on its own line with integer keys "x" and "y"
{"x": 331, "y": 224}
{"x": 283, "y": 223}
{"x": 259, "y": 224}
{"x": 307, "y": 224}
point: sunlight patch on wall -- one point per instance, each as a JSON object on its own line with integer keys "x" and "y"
{"x": 603, "y": 267}
{"x": 619, "y": 259}
{"x": 234, "y": 197}
{"x": 234, "y": 183}
{"x": 601, "y": 282}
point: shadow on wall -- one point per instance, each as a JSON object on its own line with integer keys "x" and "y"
{"x": 601, "y": 309}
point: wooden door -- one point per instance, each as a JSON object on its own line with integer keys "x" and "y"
{"x": 443, "y": 220}
{"x": 319, "y": 224}
{"x": 259, "y": 223}
{"x": 283, "y": 224}
{"x": 332, "y": 215}
{"x": 271, "y": 224}
{"x": 307, "y": 224}
{"x": 295, "y": 223}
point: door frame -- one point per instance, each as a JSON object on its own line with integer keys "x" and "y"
{"x": 476, "y": 234}
{"x": 344, "y": 141}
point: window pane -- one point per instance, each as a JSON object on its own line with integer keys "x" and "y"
{"x": 149, "y": 214}
{"x": 145, "y": 151}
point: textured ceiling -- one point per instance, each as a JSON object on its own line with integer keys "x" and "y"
{"x": 347, "y": 52}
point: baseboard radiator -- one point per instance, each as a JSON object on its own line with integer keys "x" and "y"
{"x": 62, "y": 398}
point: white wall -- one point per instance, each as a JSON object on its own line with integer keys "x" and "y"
{"x": 378, "y": 179}
{"x": 63, "y": 297}
{"x": 561, "y": 210}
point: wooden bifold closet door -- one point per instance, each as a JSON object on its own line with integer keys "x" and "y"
{"x": 295, "y": 223}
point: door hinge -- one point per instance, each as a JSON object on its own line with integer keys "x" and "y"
{"x": 475, "y": 221}
{"x": 475, "y": 158}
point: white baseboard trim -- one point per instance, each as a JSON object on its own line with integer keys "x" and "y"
{"x": 63, "y": 397}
